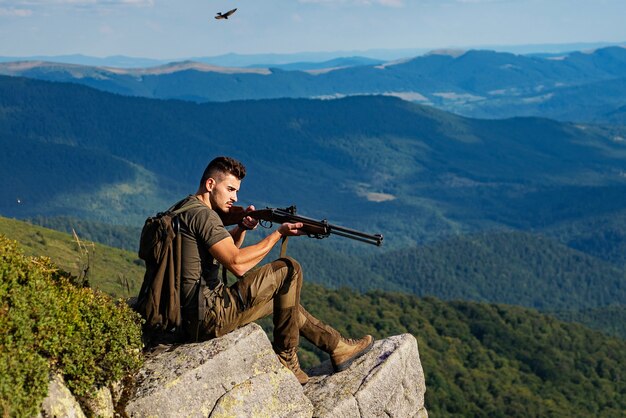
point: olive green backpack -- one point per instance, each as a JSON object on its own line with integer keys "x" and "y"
{"x": 158, "y": 301}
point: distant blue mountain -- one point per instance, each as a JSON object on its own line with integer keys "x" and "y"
{"x": 278, "y": 60}
{"x": 79, "y": 59}
{"x": 303, "y": 60}
{"x": 308, "y": 58}
{"x": 324, "y": 65}
{"x": 475, "y": 83}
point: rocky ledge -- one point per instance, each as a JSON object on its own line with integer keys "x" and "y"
{"x": 238, "y": 375}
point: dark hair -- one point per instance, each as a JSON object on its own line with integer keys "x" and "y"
{"x": 224, "y": 165}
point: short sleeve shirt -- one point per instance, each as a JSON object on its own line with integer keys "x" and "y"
{"x": 200, "y": 229}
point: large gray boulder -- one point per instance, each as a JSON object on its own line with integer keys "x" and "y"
{"x": 386, "y": 382}
{"x": 236, "y": 375}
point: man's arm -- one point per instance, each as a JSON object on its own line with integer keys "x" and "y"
{"x": 238, "y": 234}
{"x": 240, "y": 260}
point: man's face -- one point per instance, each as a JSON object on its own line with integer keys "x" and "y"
{"x": 223, "y": 188}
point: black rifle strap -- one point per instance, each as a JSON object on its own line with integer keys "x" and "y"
{"x": 225, "y": 288}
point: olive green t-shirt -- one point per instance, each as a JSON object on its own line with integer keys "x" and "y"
{"x": 200, "y": 228}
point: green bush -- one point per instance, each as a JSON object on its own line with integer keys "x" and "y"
{"x": 48, "y": 323}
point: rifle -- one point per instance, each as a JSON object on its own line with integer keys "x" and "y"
{"x": 313, "y": 228}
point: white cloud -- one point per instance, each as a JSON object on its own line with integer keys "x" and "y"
{"x": 392, "y": 3}
{"x": 387, "y": 3}
{"x": 481, "y": 1}
{"x": 15, "y": 12}
{"x": 39, "y": 3}
{"x": 137, "y": 2}
{"x": 106, "y": 30}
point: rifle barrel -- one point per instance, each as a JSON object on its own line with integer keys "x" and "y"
{"x": 289, "y": 215}
{"x": 376, "y": 239}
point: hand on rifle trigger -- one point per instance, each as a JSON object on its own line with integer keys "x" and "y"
{"x": 289, "y": 229}
{"x": 249, "y": 222}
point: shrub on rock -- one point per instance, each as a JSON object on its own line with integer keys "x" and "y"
{"x": 49, "y": 322}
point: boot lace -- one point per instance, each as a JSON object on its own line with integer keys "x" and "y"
{"x": 291, "y": 358}
{"x": 351, "y": 341}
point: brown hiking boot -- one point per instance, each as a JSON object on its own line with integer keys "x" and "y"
{"x": 349, "y": 350}
{"x": 289, "y": 359}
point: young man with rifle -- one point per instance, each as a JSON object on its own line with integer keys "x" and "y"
{"x": 211, "y": 309}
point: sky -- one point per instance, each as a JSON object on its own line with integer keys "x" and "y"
{"x": 173, "y": 29}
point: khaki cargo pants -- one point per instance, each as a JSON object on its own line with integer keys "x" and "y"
{"x": 274, "y": 288}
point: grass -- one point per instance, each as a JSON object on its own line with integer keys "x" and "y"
{"x": 116, "y": 272}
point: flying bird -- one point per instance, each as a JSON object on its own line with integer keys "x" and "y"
{"x": 221, "y": 15}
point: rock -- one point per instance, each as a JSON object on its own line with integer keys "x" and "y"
{"x": 235, "y": 375}
{"x": 60, "y": 402}
{"x": 239, "y": 375}
{"x": 117, "y": 390}
{"x": 386, "y": 382}
{"x": 99, "y": 404}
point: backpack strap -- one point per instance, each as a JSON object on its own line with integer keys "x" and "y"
{"x": 181, "y": 207}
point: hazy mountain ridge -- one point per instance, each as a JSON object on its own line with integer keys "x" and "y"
{"x": 478, "y": 83}
{"x": 277, "y": 59}
{"x": 328, "y": 65}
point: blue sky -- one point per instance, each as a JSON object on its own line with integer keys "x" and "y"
{"x": 185, "y": 28}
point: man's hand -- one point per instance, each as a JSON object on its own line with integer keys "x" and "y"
{"x": 233, "y": 216}
{"x": 288, "y": 229}
{"x": 248, "y": 222}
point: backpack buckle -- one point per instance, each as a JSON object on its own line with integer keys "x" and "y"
{"x": 176, "y": 225}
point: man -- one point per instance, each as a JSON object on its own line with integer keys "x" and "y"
{"x": 211, "y": 309}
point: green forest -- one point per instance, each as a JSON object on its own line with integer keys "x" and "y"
{"x": 504, "y": 239}
{"x": 480, "y": 359}
{"x": 490, "y": 360}
{"x": 444, "y": 173}
{"x": 533, "y": 270}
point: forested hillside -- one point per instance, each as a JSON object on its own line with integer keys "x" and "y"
{"x": 486, "y": 360}
{"x": 432, "y": 174}
{"x": 482, "y": 360}
{"x": 603, "y": 236}
{"x": 513, "y": 268}
{"x": 423, "y": 178}
{"x": 118, "y": 236}
{"x": 507, "y": 267}
{"x": 112, "y": 270}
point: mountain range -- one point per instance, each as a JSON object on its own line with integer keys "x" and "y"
{"x": 311, "y": 58}
{"x": 575, "y": 86}
{"x": 523, "y": 210}
{"x": 447, "y": 192}
{"x": 115, "y": 158}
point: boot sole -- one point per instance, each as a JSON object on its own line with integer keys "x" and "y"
{"x": 343, "y": 366}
